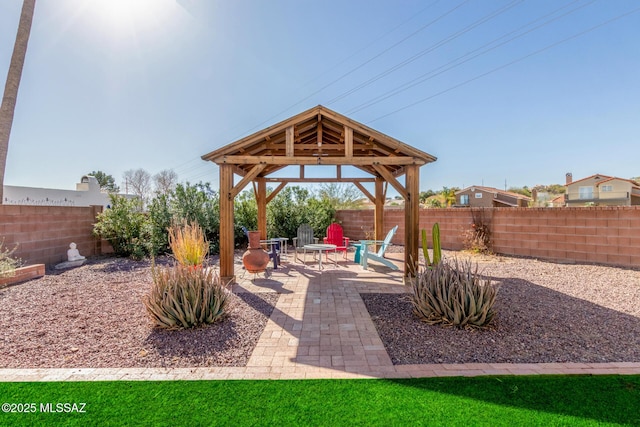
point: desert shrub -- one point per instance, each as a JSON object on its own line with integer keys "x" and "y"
{"x": 125, "y": 227}
{"x": 8, "y": 263}
{"x": 194, "y": 203}
{"x": 160, "y": 219}
{"x": 477, "y": 238}
{"x": 188, "y": 244}
{"x": 245, "y": 214}
{"x": 320, "y": 215}
{"x": 294, "y": 206}
{"x": 185, "y": 297}
{"x": 188, "y": 293}
{"x": 200, "y": 204}
{"x": 453, "y": 294}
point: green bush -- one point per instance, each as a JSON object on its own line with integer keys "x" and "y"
{"x": 125, "y": 227}
{"x": 185, "y": 297}
{"x": 294, "y": 206}
{"x": 160, "y": 219}
{"x": 245, "y": 214}
{"x": 134, "y": 233}
{"x": 453, "y": 295}
{"x": 193, "y": 203}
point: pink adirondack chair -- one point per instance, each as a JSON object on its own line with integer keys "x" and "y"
{"x": 335, "y": 236}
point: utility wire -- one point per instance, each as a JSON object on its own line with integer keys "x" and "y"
{"x": 331, "y": 83}
{"x": 401, "y": 24}
{"x": 430, "y": 49}
{"x": 508, "y": 64}
{"x": 459, "y": 60}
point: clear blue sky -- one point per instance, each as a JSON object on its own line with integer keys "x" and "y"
{"x": 154, "y": 84}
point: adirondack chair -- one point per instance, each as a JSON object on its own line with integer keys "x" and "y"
{"x": 366, "y": 255}
{"x": 336, "y": 237}
{"x": 305, "y": 237}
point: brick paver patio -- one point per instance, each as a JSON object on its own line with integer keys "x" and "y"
{"x": 319, "y": 328}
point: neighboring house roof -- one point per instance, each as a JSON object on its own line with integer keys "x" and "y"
{"x": 495, "y": 190}
{"x": 592, "y": 176}
{"x": 613, "y": 178}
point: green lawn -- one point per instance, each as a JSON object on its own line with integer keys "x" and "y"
{"x": 494, "y": 401}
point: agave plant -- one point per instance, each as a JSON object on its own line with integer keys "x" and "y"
{"x": 453, "y": 294}
{"x": 184, "y": 297}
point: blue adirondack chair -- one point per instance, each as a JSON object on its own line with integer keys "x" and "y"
{"x": 366, "y": 255}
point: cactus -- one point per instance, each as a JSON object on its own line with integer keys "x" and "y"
{"x": 437, "y": 250}
{"x": 425, "y": 248}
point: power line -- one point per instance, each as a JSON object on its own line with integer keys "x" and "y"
{"x": 331, "y": 83}
{"x": 458, "y": 61}
{"x": 353, "y": 54}
{"x": 508, "y": 64}
{"x": 430, "y": 49}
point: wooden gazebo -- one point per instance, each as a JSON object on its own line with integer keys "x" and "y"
{"x": 318, "y": 136}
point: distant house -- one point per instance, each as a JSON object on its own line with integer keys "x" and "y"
{"x": 602, "y": 190}
{"x": 488, "y": 197}
{"x": 543, "y": 199}
{"x": 87, "y": 193}
{"x": 557, "y": 202}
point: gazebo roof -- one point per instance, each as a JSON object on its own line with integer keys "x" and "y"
{"x": 319, "y": 136}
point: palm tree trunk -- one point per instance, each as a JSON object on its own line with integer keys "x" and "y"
{"x": 13, "y": 82}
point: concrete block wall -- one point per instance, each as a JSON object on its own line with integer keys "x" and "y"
{"x": 43, "y": 233}
{"x": 605, "y": 235}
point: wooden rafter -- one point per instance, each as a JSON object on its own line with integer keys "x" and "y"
{"x": 391, "y": 180}
{"x": 317, "y": 136}
{"x": 312, "y": 160}
{"x": 254, "y": 172}
{"x": 365, "y": 192}
{"x": 275, "y": 192}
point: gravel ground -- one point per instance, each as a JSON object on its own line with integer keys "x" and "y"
{"x": 546, "y": 312}
{"x": 93, "y": 316}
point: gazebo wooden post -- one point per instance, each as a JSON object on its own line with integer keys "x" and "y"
{"x": 411, "y": 219}
{"x": 319, "y": 137}
{"x": 226, "y": 223}
{"x": 378, "y": 217}
{"x": 261, "y": 200}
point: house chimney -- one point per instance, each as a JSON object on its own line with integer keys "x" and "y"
{"x": 569, "y": 178}
{"x": 534, "y": 195}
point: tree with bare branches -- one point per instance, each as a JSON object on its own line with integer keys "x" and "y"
{"x": 138, "y": 182}
{"x": 165, "y": 181}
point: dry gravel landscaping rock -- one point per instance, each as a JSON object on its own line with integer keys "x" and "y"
{"x": 93, "y": 316}
{"x": 546, "y": 312}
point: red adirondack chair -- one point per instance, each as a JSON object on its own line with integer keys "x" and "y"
{"x": 335, "y": 236}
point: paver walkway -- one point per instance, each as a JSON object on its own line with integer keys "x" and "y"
{"x": 320, "y": 328}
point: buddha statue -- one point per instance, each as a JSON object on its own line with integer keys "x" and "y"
{"x": 73, "y": 254}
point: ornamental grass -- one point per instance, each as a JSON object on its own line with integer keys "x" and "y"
{"x": 188, "y": 244}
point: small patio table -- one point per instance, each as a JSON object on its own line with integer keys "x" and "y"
{"x": 320, "y": 248}
{"x": 283, "y": 243}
